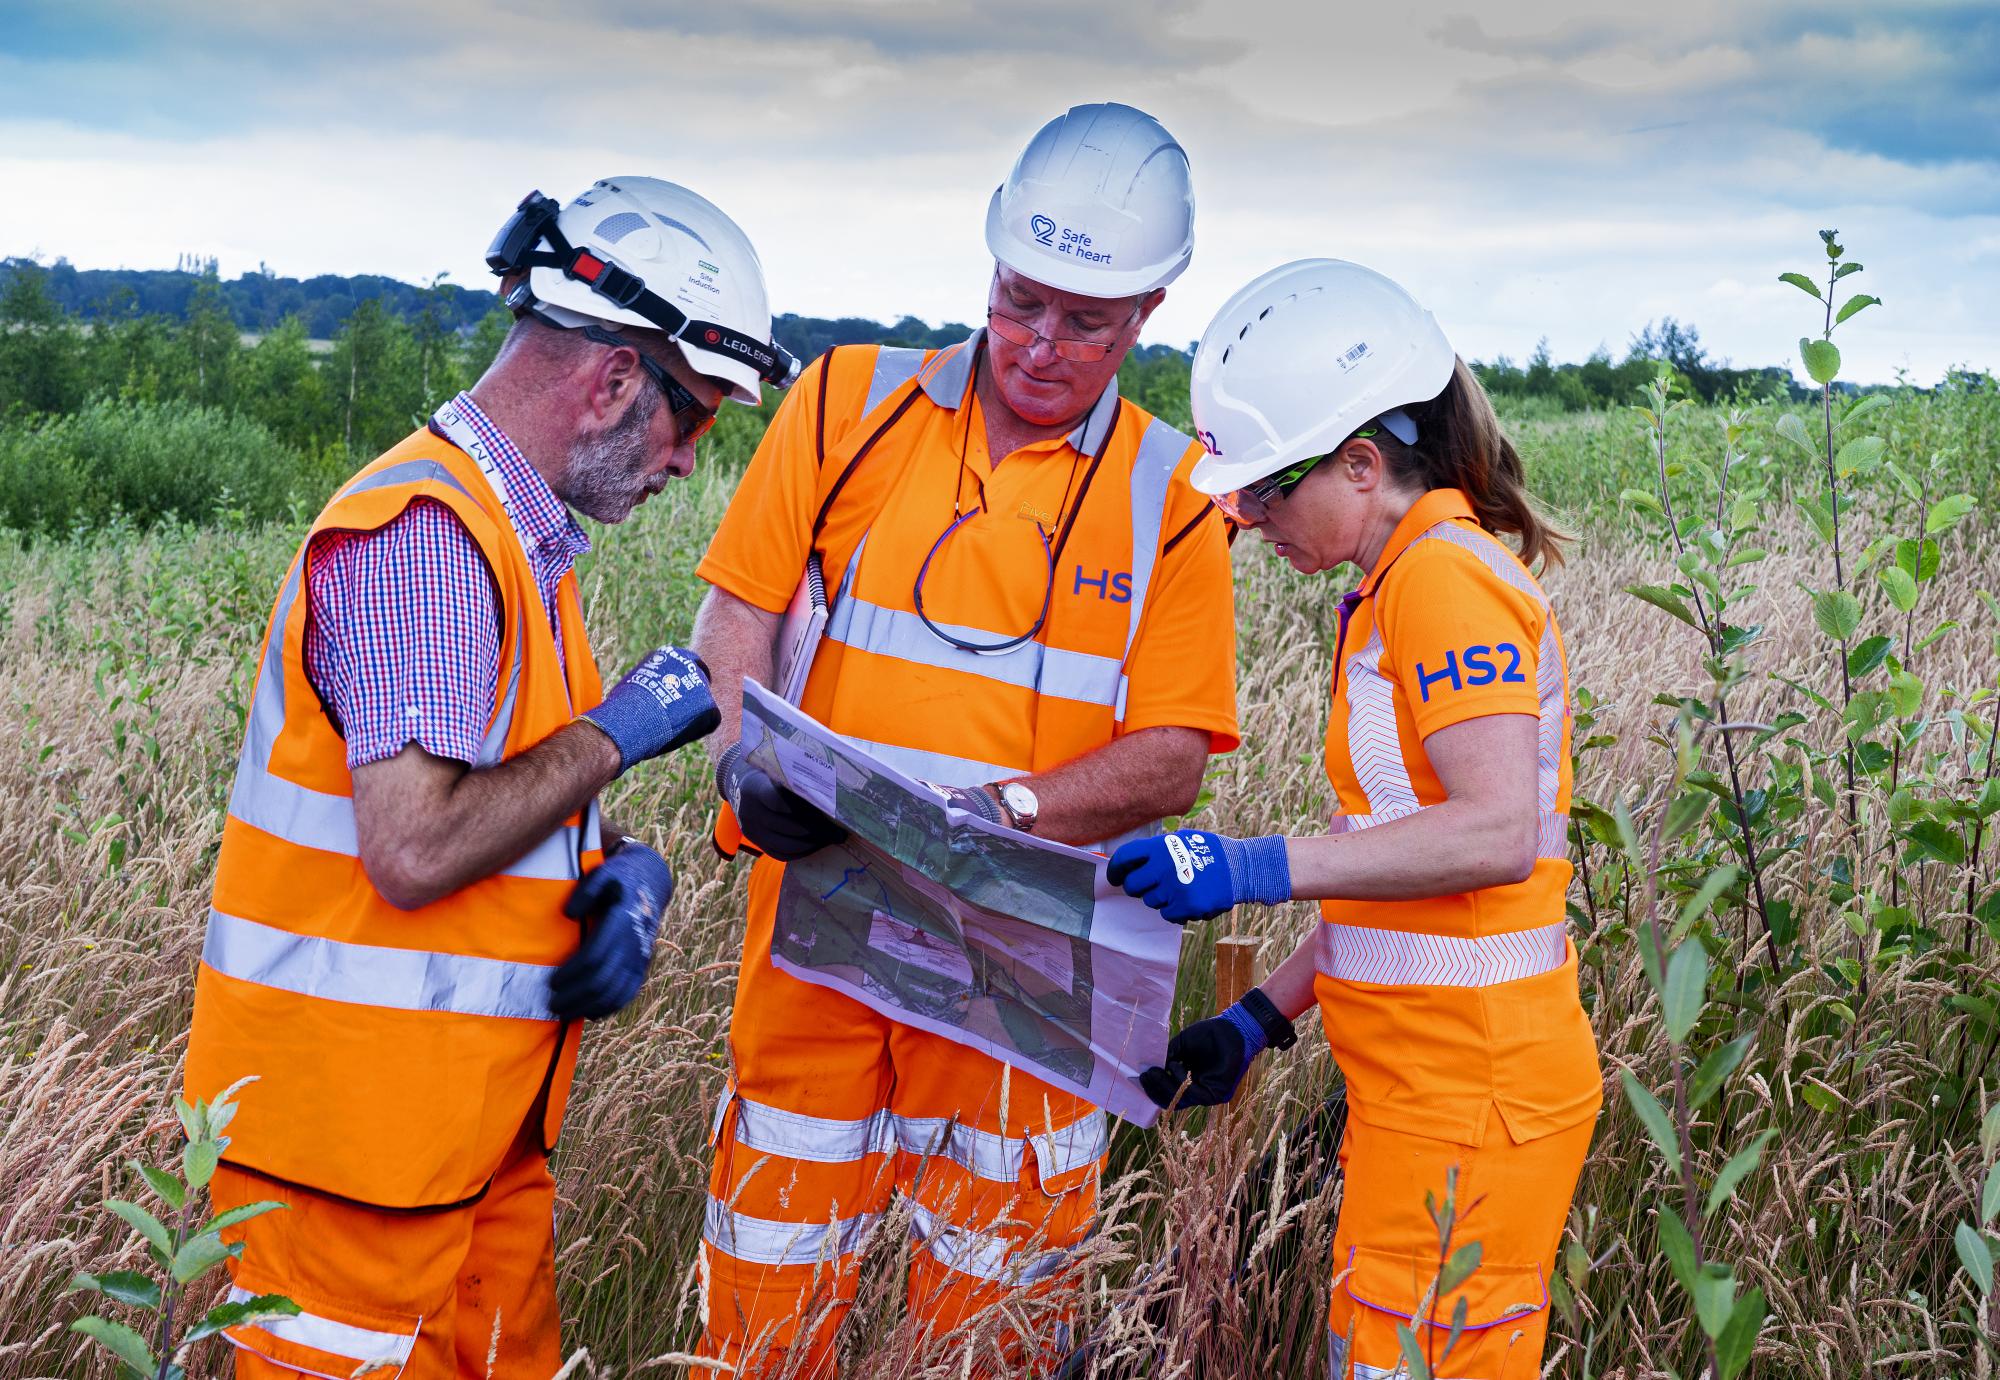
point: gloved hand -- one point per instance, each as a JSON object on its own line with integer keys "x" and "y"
{"x": 663, "y": 703}
{"x": 625, "y": 895}
{"x": 1192, "y": 874}
{"x": 1212, "y": 1056}
{"x": 971, "y": 799}
{"x": 782, "y": 823}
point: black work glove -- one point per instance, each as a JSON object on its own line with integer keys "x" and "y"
{"x": 780, "y": 822}
{"x": 621, "y": 901}
{"x": 1212, "y": 1056}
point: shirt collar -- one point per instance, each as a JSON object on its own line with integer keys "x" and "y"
{"x": 546, "y": 521}
{"x": 949, "y": 377}
{"x": 1437, "y": 505}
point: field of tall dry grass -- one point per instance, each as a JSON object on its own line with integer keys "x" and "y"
{"x": 124, "y": 665}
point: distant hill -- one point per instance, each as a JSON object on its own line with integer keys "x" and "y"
{"x": 260, "y": 301}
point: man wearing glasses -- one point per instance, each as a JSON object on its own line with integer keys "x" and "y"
{"x": 1031, "y": 609}
{"x": 416, "y": 901}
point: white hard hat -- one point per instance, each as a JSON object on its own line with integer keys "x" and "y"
{"x": 1300, "y": 360}
{"x": 1100, "y": 203}
{"x": 637, "y": 251}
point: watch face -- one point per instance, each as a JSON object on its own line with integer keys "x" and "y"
{"x": 1020, "y": 799}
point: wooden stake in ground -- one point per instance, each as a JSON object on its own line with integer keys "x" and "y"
{"x": 1235, "y": 974}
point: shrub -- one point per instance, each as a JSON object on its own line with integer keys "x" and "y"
{"x": 151, "y": 461}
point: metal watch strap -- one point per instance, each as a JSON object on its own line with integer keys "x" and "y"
{"x": 1276, "y": 1027}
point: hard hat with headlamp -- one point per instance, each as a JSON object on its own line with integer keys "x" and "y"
{"x": 1302, "y": 359}
{"x": 1100, "y": 203}
{"x": 640, "y": 252}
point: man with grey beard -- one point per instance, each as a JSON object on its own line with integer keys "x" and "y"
{"x": 416, "y": 901}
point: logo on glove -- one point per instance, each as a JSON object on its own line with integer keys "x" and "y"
{"x": 1190, "y": 855}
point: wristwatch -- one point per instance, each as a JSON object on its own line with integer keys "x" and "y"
{"x": 1277, "y": 1029}
{"x": 1020, "y": 804}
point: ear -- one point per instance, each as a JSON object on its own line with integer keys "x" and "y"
{"x": 1362, "y": 465}
{"x": 1147, "y": 305}
{"x": 613, "y": 381}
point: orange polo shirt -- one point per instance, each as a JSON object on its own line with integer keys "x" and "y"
{"x": 1450, "y": 626}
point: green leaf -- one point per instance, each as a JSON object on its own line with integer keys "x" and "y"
{"x": 126, "y": 1286}
{"x": 1739, "y": 1166}
{"x": 1870, "y": 652}
{"x": 241, "y": 1214}
{"x": 1792, "y": 427}
{"x": 1661, "y": 597}
{"x": 1935, "y": 842}
{"x": 227, "y": 1315}
{"x": 1822, "y": 359}
{"x": 1819, "y": 1099}
{"x": 1906, "y": 694}
{"x": 1819, "y": 512}
{"x": 161, "y": 1182}
{"x": 1739, "y": 1336}
{"x": 1858, "y": 456}
{"x": 1948, "y": 512}
{"x": 1872, "y": 402}
{"x": 1918, "y": 559}
{"x": 1640, "y": 498}
{"x": 1460, "y": 1267}
{"x": 1687, "y": 989}
{"x": 1712, "y": 886}
{"x": 1837, "y": 612}
{"x": 199, "y": 1255}
{"x": 1902, "y": 589}
{"x": 1802, "y": 283}
{"x": 1976, "y": 1255}
{"x": 1654, "y": 1118}
{"x": 1934, "y": 634}
{"x": 1714, "y": 1297}
{"x": 122, "y": 1342}
{"x": 1715, "y": 1070}
{"x": 1459, "y": 1312}
{"x": 1989, "y": 1132}
{"x": 1678, "y": 1244}
{"x": 198, "y": 1162}
{"x": 1989, "y": 1197}
{"x": 145, "y": 1224}
{"x": 1413, "y": 1355}
{"x": 1842, "y": 272}
{"x": 194, "y": 1120}
{"x": 1859, "y": 302}
{"x": 1684, "y": 813}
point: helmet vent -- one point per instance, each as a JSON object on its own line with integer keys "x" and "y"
{"x": 616, "y": 227}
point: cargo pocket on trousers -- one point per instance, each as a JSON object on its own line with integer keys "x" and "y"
{"x": 326, "y": 1338}
{"x": 1387, "y": 1286}
{"x": 1070, "y": 1157}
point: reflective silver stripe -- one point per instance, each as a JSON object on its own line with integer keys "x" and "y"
{"x": 1551, "y": 833}
{"x": 1045, "y": 670}
{"x": 991, "y": 1258}
{"x": 1372, "y": 744}
{"x": 1358, "y": 953}
{"x": 319, "y": 820}
{"x": 334, "y": 1338}
{"x": 795, "y": 1135}
{"x": 761, "y": 1241}
{"x": 894, "y": 367}
{"x": 939, "y": 768}
{"x": 371, "y": 975}
{"x": 991, "y": 1155}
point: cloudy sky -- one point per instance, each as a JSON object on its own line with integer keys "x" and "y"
{"x": 1546, "y": 168}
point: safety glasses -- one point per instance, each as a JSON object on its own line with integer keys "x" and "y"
{"x": 1251, "y": 504}
{"x": 691, "y": 419}
{"x": 1077, "y": 351}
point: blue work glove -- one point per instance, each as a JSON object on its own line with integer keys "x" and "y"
{"x": 621, "y": 900}
{"x": 780, "y": 822}
{"x": 1192, "y": 874}
{"x": 1210, "y": 1057}
{"x": 662, "y": 704}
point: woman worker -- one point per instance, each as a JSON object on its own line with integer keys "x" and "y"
{"x": 1341, "y": 427}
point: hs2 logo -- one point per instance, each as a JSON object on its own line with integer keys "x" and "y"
{"x": 1115, "y": 585}
{"x": 1479, "y": 668}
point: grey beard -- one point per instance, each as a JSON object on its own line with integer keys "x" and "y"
{"x": 603, "y": 479}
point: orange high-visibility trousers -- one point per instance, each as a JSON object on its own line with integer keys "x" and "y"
{"x": 832, "y": 1111}
{"x": 1512, "y": 1198}
{"x": 463, "y": 1292}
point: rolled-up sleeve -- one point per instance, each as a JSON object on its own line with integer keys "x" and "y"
{"x": 403, "y": 636}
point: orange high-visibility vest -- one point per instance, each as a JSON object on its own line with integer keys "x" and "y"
{"x": 398, "y": 1052}
{"x": 888, "y": 682}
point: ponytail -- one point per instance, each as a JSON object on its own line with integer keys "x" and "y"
{"x": 1460, "y": 446}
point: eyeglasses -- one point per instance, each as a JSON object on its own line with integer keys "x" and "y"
{"x": 1251, "y": 504}
{"x": 691, "y": 420}
{"x": 1076, "y": 351}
